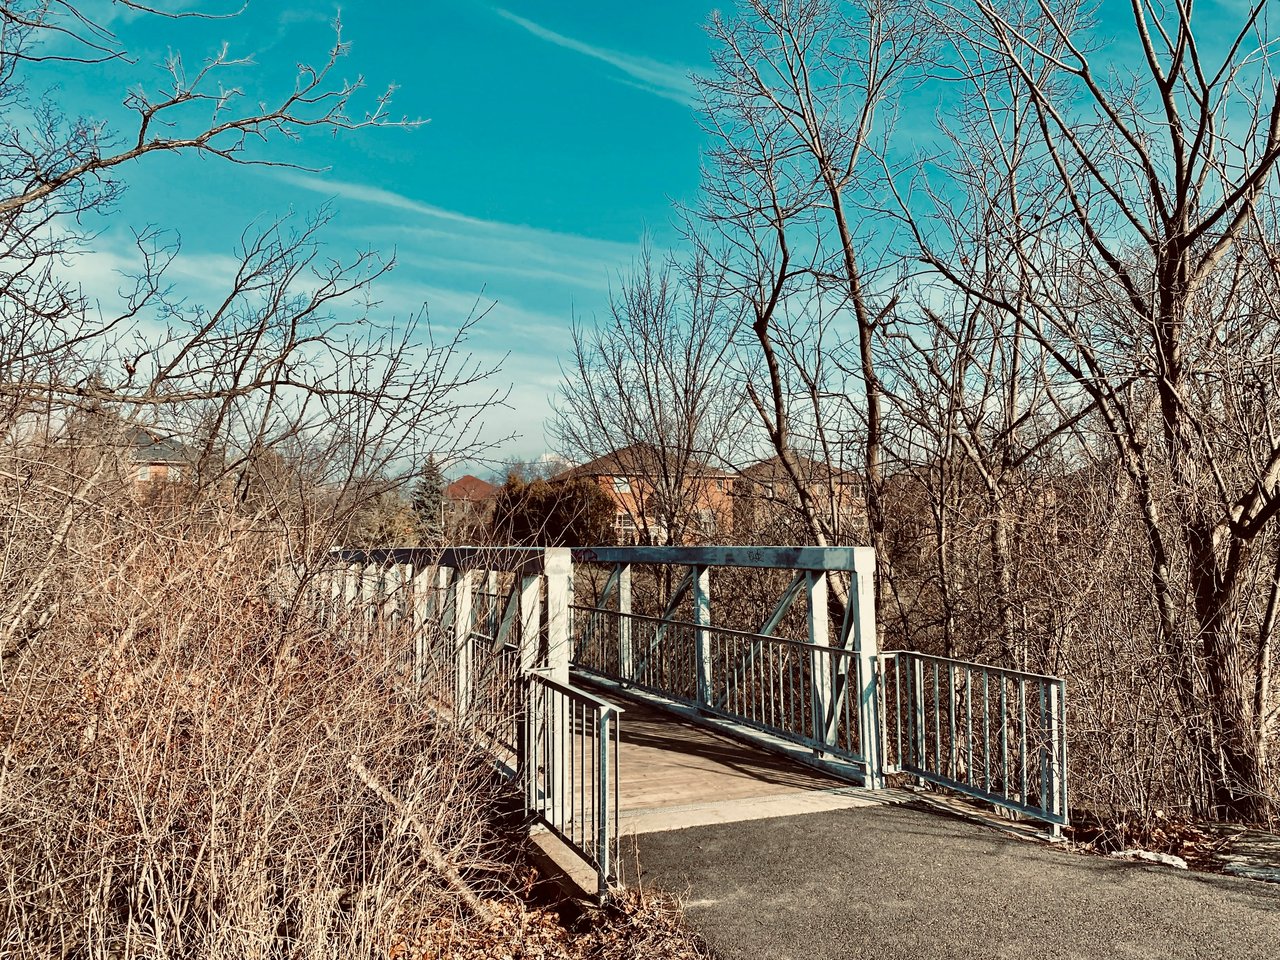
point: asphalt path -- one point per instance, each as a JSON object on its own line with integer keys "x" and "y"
{"x": 898, "y": 882}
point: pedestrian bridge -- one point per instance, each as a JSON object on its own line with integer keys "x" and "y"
{"x": 641, "y": 689}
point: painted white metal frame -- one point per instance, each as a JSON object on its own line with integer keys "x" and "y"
{"x": 831, "y": 675}
{"x": 511, "y": 606}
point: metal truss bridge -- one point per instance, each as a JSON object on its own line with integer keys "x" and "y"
{"x": 637, "y": 689}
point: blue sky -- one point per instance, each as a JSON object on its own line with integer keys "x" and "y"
{"x": 557, "y": 134}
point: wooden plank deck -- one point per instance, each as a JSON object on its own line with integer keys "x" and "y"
{"x": 668, "y": 761}
{"x": 675, "y": 773}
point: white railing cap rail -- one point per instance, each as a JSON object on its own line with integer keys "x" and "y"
{"x": 789, "y": 558}
{"x": 526, "y": 560}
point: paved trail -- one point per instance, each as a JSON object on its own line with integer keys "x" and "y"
{"x": 898, "y": 882}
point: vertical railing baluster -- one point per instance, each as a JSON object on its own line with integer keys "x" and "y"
{"x": 918, "y": 719}
{"x": 1060, "y": 738}
{"x": 1043, "y": 745}
{"x": 986, "y": 730}
{"x": 951, "y": 713}
{"x": 968, "y": 710}
{"x": 1004, "y": 735}
{"x": 766, "y": 657}
{"x": 788, "y": 701}
{"x": 702, "y": 617}
{"x": 897, "y": 692}
{"x": 937, "y": 718}
{"x": 602, "y": 822}
{"x": 565, "y": 758}
{"x": 576, "y": 775}
{"x": 1022, "y": 738}
{"x": 625, "y": 655}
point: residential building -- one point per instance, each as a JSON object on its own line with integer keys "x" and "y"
{"x": 766, "y": 503}
{"x": 468, "y": 509}
{"x": 661, "y": 497}
{"x": 157, "y": 458}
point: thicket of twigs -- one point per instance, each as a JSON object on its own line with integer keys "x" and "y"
{"x": 192, "y": 763}
{"x": 1000, "y": 301}
{"x": 193, "y": 766}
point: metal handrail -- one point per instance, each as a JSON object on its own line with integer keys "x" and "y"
{"x": 570, "y": 769}
{"x": 577, "y": 693}
{"x": 884, "y": 654}
{"x": 715, "y": 628}
{"x": 471, "y": 646}
{"x": 812, "y": 704}
{"x": 991, "y": 732}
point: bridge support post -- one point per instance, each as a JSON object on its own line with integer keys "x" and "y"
{"x": 530, "y": 721}
{"x": 492, "y": 607}
{"x": 862, "y": 594}
{"x": 422, "y": 604}
{"x": 701, "y": 581}
{"x": 331, "y": 595}
{"x": 558, "y": 567}
{"x": 342, "y": 597}
{"x": 1056, "y": 792}
{"x": 530, "y": 621}
{"x": 394, "y": 605}
{"x": 550, "y": 733}
{"x": 463, "y": 589}
{"x": 820, "y": 636}
{"x": 368, "y": 579}
{"x": 626, "y": 658}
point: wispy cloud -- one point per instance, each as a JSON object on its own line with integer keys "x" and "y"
{"x": 448, "y": 240}
{"x": 530, "y": 280}
{"x": 653, "y": 76}
{"x": 362, "y": 193}
{"x": 514, "y": 336}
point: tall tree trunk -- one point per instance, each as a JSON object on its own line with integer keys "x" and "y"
{"x": 1239, "y": 787}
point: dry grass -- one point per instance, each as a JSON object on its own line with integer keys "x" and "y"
{"x": 179, "y": 777}
{"x": 194, "y": 767}
{"x": 632, "y": 926}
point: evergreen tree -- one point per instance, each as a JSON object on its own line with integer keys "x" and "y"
{"x": 428, "y": 501}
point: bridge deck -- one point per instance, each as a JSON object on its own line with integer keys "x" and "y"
{"x": 668, "y": 761}
{"x": 675, "y": 773}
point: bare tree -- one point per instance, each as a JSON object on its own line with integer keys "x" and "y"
{"x": 651, "y": 387}
{"x": 1150, "y": 282}
{"x": 976, "y": 402}
{"x": 797, "y": 107}
{"x": 294, "y": 393}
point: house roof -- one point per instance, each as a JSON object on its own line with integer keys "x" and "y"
{"x": 469, "y": 488}
{"x": 810, "y": 469}
{"x": 640, "y": 460}
{"x": 149, "y": 446}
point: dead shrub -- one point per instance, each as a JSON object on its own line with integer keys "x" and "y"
{"x": 180, "y": 771}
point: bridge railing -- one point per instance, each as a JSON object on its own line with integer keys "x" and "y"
{"x": 488, "y": 634}
{"x": 989, "y": 732}
{"x": 817, "y": 692}
{"x": 805, "y": 693}
{"x": 483, "y": 635}
{"x": 571, "y": 758}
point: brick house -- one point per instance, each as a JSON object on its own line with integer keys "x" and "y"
{"x": 468, "y": 508}
{"x": 766, "y": 504}
{"x": 660, "y": 497}
{"x": 157, "y": 458}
